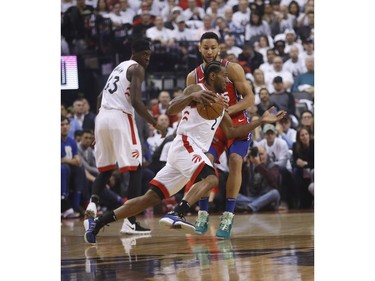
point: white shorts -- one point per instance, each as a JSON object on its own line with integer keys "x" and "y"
{"x": 117, "y": 141}
{"x": 185, "y": 162}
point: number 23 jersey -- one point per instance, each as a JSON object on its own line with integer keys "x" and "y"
{"x": 116, "y": 92}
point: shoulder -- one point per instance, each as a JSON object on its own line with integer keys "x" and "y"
{"x": 191, "y": 89}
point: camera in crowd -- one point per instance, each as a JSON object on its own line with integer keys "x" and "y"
{"x": 254, "y": 151}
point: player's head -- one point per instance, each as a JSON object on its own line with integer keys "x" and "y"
{"x": 216, "y": 76}
{"x": 209, "y": 46}
{"x": 141, "y": 52}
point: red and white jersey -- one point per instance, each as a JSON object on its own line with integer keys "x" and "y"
{"x": 196, "y": 128}
{"x": 116, "y": 93}
{"x": 230, "y": 94}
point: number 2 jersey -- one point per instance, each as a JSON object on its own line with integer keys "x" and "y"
{"x": 196, "y": 128}
{"x": 116, "y": 93}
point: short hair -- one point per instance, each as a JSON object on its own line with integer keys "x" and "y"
{"x": 141, "y": 45}
{"x": 209, "y": 35}
{"x": 63, "y": 118}
{"x": 212, "y": 66}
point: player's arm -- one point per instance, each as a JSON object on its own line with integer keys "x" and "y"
{"x": 190, "y": 79}
{"x": 193, "y": 93}
{"x": 231, "y": 131}
{"x": 136, "y": 74}
{"x": 237, "y": 75}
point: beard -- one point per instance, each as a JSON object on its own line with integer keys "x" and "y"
{"x": 214, "y": 59}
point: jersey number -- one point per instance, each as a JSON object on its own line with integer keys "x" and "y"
{"x": 113, "y": 83}
{"x": 213, "y": 125}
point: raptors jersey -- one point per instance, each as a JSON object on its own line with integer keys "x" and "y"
{"x": 230, "y": 94}
{"x": 116, "y": 93}
{"x": 196, "y": 128}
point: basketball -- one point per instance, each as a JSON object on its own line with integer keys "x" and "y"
{"x": 211, "y": 112}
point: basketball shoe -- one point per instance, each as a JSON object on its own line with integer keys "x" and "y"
{"x": 225, "y": 226}
{"x": 133, "y": 228}
{"x": 90, "y": 212}
{"x": 201, "y": 225}
{"x": 174, "y": 221}
{"x": 91, "y": 232}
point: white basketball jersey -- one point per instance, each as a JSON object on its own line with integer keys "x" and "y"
{"x": 116, "y": 92}
{"x": 198, "y": 129}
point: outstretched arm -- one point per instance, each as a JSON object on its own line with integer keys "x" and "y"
{"x": 231, "y": 131}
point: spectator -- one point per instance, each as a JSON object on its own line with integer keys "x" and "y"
{"x": 222, "y": 28}
{"x": 230, "y": 47}
{"x": 73, "y": 123}
{"x": 267, "y": 66}
{"x": 295, "y": 64}
{"x": 303, "y": 164}
{"x": 238, "y": 31}
{"x": 307, "y": 121}
{"x": 72, "y": 166}
{"x": 265, "y": 101}
{"x": 305, "y": 81}
{"x": 242, "y": 16}
{"x": 250, "y": 57}
{"x": 126, "y": 12}
{"x": 263, "y": 44}
{"x": 263, "y": 182}
{"x": 281, "y": 97}
{"x": 89, "y": 119}
{"x": 84, "y": 118}
{"x": 141, "y": 24}
{"x": 155, "y": 140}
{"x": 213, "y": 10}
{"x": 161, "y": 108}
{"x": 279, "y": 48}
{"x": 270, "y": 16}
{"x": 287, "y": 21}
{"x": 160, "y": 34}
{"x": 278, "y": 70}
{"x": 255, "y": 28}
{"x": 193, "y": 12}
{"x": 170, "y": 12}
{"x": 307, "y": 31}
{"x": 206, "y": 27}
{"x": 308, "y": 48}
{"x": 171, "y": 21}
{"x": 102, "y": 9}
{"x": 259, "y": 83}
{"x": 284, "y": 131}
{"x": 291, "y": 41}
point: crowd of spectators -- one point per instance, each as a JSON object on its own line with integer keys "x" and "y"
{"x": 273, "y": 40}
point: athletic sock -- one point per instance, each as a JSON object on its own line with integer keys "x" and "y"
{"x": 182, "y": 208}
{"x": 203, "y": 204}
{"x": 105, "y": 219}
{"x": 230, "y": 203}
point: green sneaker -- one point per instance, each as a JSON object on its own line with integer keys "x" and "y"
{"x": 225, "y": 226}
{"x": 201, "y": 225}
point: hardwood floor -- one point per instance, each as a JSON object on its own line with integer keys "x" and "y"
{"x": 267, "y": 246}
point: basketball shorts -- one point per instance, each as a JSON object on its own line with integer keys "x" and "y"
{"x": 117, "y": 141}
{"x": 185, "y": 162}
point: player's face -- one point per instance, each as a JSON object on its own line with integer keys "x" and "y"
{"x": 143, "y": 58}
{"x": 209, "y": 49}
{"x": 220, "y": 81}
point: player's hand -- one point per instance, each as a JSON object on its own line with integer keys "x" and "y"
{"x": 269, "y": 117}
{"x": 162, "y": 130}
{"x": 204, "y": 96}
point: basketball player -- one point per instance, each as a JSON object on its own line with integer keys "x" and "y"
{"x": 239, "y": 95}
{"x": 116, "y": 135}
{"x": 186, "y": 158}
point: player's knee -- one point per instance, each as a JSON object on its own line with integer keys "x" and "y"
{"x": 151, "y": 198}
{"x": 212, "y": 180}
{"x": 235, "y": 160}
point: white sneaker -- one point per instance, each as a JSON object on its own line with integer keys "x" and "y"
{"x": 89, "y": 213}
{"x": 70, "y": 214}
{"x": 136, "y": 228}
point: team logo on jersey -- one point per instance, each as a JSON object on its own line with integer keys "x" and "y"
{"x": 196, "y": 158}
{"x": 185, "y": 117}
{"x": 135, "y": 153}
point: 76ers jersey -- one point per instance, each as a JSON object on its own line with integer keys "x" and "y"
{"x": 230, "y": 94}
{"x": 198, "y": 129}
{"x": 116, "y": 93}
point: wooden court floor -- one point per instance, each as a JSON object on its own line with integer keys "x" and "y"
{"x": 266, "y": 246}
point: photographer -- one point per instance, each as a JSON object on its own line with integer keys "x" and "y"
{"x": 262, "y": 184}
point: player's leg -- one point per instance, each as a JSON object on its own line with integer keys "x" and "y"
{"x": 237, "y": 151}
{"x": 201, "y": 223}
{"x": 131, "y": 207}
